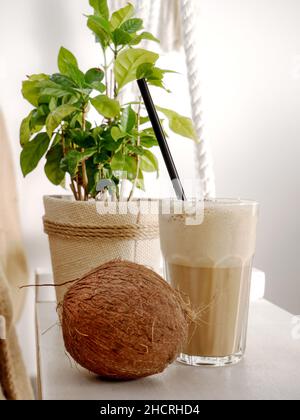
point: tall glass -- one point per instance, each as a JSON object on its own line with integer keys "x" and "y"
{"x": 210, "y": 262}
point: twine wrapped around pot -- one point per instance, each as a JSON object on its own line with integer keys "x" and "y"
{"x": 100, "y": 232}
{"x": 82, "y": 236}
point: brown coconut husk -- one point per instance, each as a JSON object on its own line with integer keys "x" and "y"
{"x": 123, "y": 321}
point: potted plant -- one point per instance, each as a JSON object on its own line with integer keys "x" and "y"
{"x": 95, "y": 158}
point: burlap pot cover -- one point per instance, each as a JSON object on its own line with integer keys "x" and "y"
{"x": 84, "y": 235}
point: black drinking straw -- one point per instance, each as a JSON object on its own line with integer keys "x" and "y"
{"x": 161, "y": 138}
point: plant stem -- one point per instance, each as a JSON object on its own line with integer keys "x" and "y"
{"x": 115, "y": 81}
{"x": 111, "y": 84}
{"x": 79, "y": 192}
{"x": 73, "y": 188}
{"x": 117, "y": 193}
{"x": 106, "y": 72}
{"x": 63, "y": 141}
{"x": 85, "y": 180}
{"x": 138, "y": 157}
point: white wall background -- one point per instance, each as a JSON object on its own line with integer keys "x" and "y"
{"x": 250, "y": 59}
{"x": 249, "y": 54}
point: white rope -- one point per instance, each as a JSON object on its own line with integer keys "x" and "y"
{"x": 203, "y": 156}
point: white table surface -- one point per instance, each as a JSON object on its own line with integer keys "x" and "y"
{"x": 270, "y": 370}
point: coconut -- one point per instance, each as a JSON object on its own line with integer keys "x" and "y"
{"x": 123, "y": 321}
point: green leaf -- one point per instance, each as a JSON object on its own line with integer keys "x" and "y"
{"x": 39, "y": 115}
{"x": 111, "y": 145}
{"x": 57, "y": 140}
{"x": 140, "y": 182}
{"x": 102, "y": 157}
{"x": 57, "y": 92}
{"x": 88, "y": 153}
{"x": 108, "y": 143}
{"x": 70, "y": 163}
{"x": 63, "y": 81}
{"x": 33, "y": 152}
{"x": 36, "y": 128}
{"x": 128, "y": 119}
{"x": 57, "y": 116}
{"x": 85, "y": 91}
{"x": 149, "y": 162}
{"x": 82, "y": 138}
{"x": 159, "y": 84}
{"x": 149, "y": 142}
{"x": 72, "y": 160}
{"x": 144, "y": 71}
{"x": 97, "y": 28}
{"x": 25, "y": 131}
{"x": 100, "y": 7}
{"x": 154, "y": 75}
{"x": 76, "y": 120}
{"x": 71, "y": 100}
{"x": 120, "y": 16}
{"x": 179, "y": 124}
{"x": 93, "y": 76}
{"x": 68, "y": 66}
{"x": 132, "y": 25}
{"x": 88, "y": 126}
{"x": 63, "y": 184}
{"x": 149, "y": 131}
{"x": 157, "y": 76}
{"x": 100, "y": 87}
{"x": 144, "y": 120}
{"x": 97, "y": 133}
{"x": 137, "y": 150}
{"x": 120, "y": 37}
{"x": 107, "y": 107}
{"x": 65, "y": 60}
{"x": 121, "y": 162}
{"x": 52, "y": 104}
{"x": 44, "y": 99}
{"x": 93, "y": 174}
{"x": 118, "y": 162}
{"x": 128, "y": 62}
{"x": 117, "y": 134}
{"x": 144, "y": 36}
{"x": 38, "y": 77}
{"x": 130, "y": 165}
{"x": 76, "y": 75}
{"x": 166, "y": 71}
{"x": 31, "y": 90}
{"x": 100, "y": 23}
{"x": 52, "y": 168}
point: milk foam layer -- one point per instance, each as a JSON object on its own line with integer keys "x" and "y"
{"x": 226, "y": 238}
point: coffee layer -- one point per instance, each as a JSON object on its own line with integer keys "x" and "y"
{"x": 219, "y": 298}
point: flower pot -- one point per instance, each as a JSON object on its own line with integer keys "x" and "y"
{"x": 84, "y": 235}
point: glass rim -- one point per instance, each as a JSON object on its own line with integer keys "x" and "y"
{"x": 217, "y": 201}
